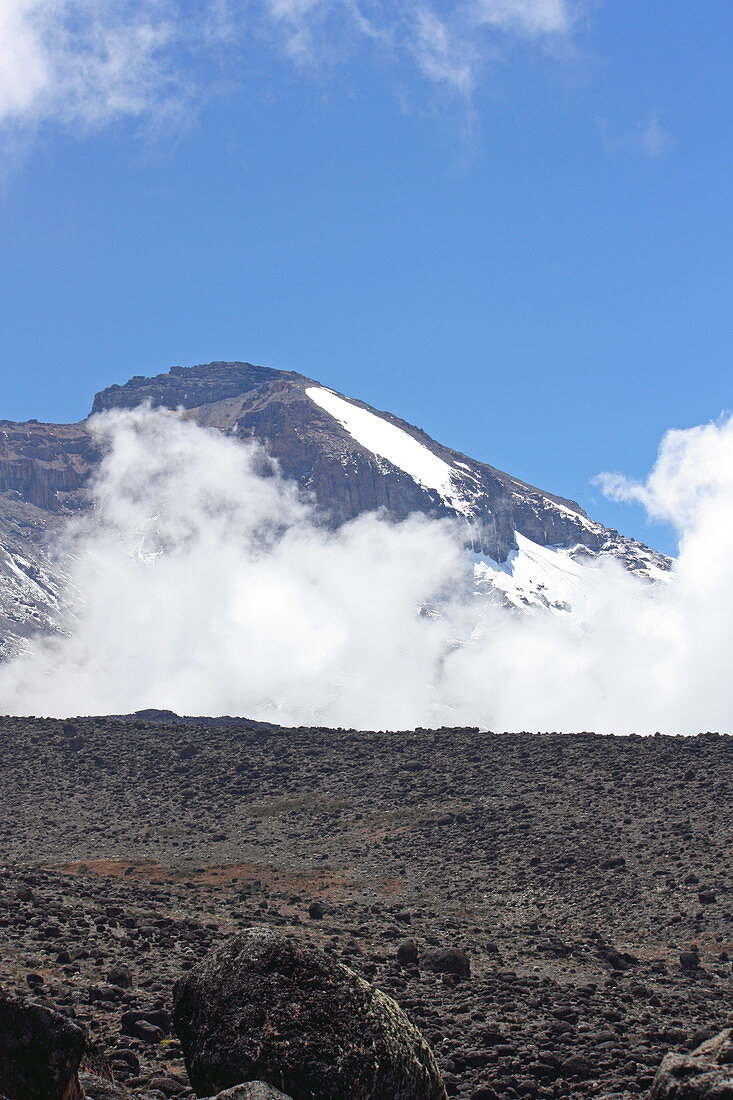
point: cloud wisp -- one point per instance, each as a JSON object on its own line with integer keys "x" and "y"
{"x": 533, "y": 18}
{"x": 87, "y": 64}
{"x": 450, "y": 46}
{"x": 648, "y": 138}
{"x": 211, "y": 586}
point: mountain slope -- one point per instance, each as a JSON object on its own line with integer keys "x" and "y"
{"x": 353, "y": 459}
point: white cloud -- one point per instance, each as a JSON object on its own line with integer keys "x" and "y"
{"x": 24, "y": 65}
{"x": 297, "y": 21}
{"x": 89, "y": 63}
{"x": 451, "y": 45}
{"x": 442, "y": 55}
{"x": 225, "y": 593}
{"x": 647, "y": 137}
{"x": 86, "y": 62}
{"x": 210, "y": 588}
{"x": 528, "y": 17}
{"x": 691, "y": 485}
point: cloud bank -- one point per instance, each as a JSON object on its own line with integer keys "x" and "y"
{"x": 212, "y": 586}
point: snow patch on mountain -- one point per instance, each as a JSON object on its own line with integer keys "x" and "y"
{"x": 30, "y": 599}
{"x": 532, "y": 575}
{"x": 589, "y": 523}
{"x": 387, "y": 441}
{"x": 553, "y": 577}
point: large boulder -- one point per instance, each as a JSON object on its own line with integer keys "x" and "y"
{"x": 705, "y": 1074}
{"x": 262, "y": 1007}
{"x": 40, "y": 1052}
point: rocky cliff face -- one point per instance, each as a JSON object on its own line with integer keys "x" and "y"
{"x": 348, "y": 478}
{"x": 352, "y": 458}
{"x": 45, "y": 464}
{"x": 44, "y": 471}
{"x": 192, "y": 387}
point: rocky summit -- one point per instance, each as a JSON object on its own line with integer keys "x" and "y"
{"x": 349, "y": 457}
{"x": 223, "y": 907}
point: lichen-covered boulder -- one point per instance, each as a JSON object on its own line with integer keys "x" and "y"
{"x": 705, "y": 1074}
{"x": 262, "y": 1007}
{"x": 40, "y": 1052}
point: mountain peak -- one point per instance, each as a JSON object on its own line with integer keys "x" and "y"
{"x": 191, "y": 387}
{"x": 349, "y": 458}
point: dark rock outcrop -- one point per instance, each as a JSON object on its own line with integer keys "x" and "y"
{"x": 192, "y": 387}
{"x": 263, "y": 1007}
{"x": 705, "y": 1074}
{"x": 690, "y": 960}
{"x": 40, "y": 1052}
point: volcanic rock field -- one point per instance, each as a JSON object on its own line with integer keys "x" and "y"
{"x": 589, "y": 880}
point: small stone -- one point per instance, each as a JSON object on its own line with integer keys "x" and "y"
{"x": 689, "y": 960}
{"x": 120, "y": 976}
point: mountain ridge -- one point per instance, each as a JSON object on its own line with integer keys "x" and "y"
{"x": 173, "y": 392}
{"x": 350, "y": 457}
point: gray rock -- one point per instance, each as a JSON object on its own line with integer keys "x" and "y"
{"x": 705, "y": 1074}
{"x": 253, "y": 1090}
{"x": 148, "y": 1033}
{"x": 98, "y": 1088}
{"x": 263, "y": 1007}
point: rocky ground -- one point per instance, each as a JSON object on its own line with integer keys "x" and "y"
{"x": 589, "y": 878}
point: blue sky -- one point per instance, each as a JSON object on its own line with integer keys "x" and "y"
{"x": 507, "y": 221}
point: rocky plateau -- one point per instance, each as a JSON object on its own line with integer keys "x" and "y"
{"x": 553, "y": 913}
